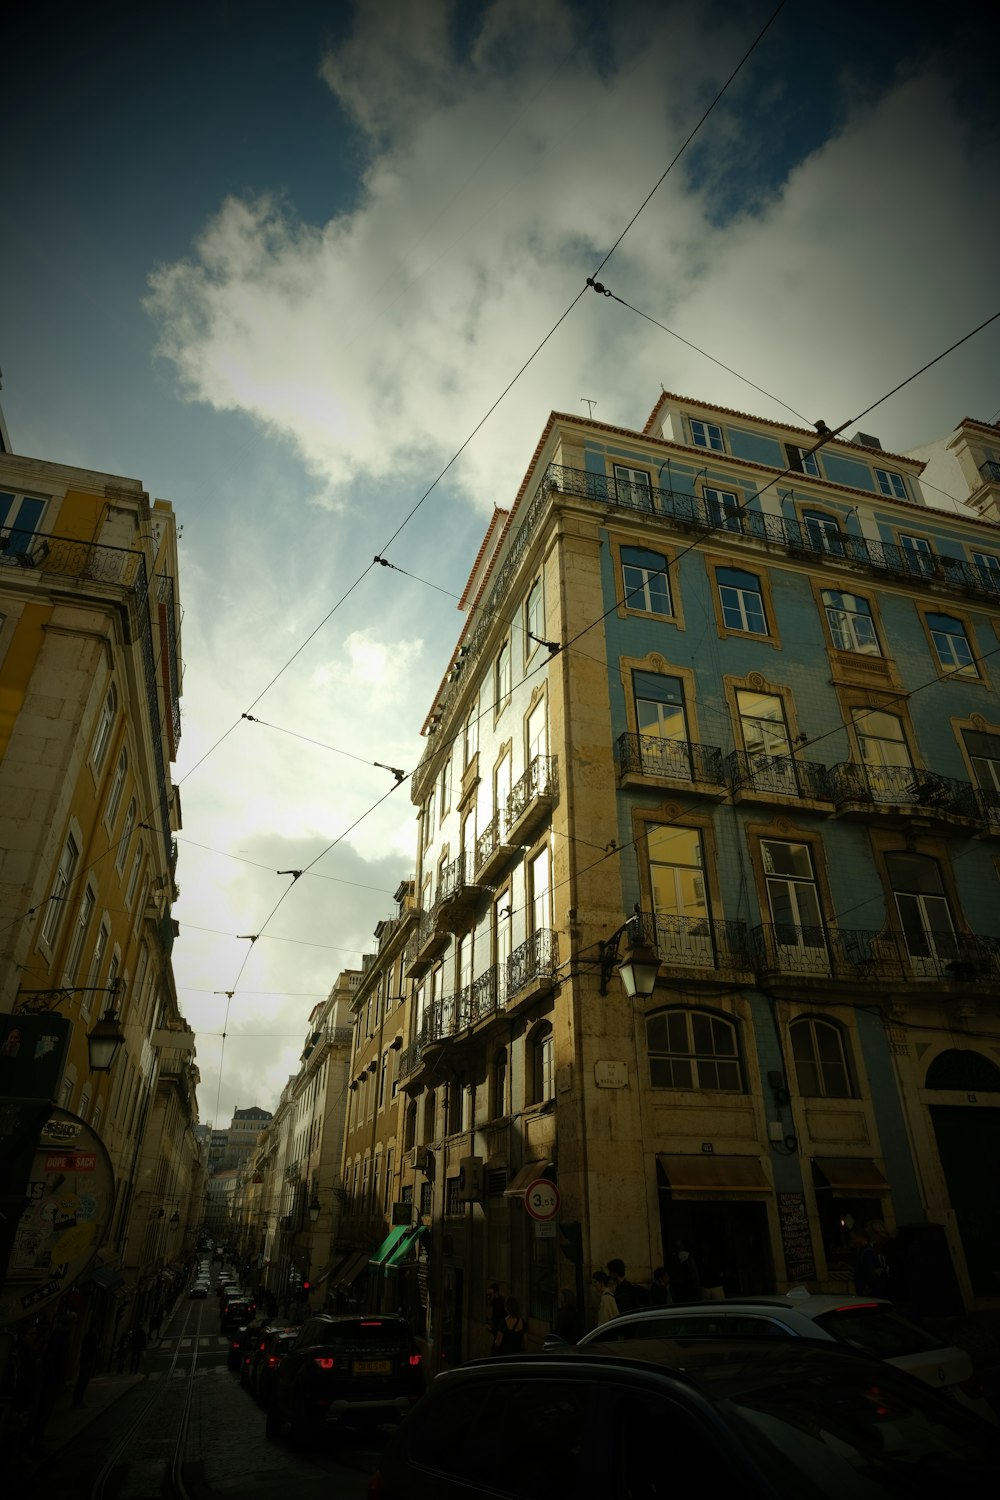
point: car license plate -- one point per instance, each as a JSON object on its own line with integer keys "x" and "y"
{"x": 372, "y": 1366}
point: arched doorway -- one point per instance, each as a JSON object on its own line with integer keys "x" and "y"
{"x": 968, "y": 1142}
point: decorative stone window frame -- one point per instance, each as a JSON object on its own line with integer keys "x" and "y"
{"x": 979, "y": 725}
{"x": 659, "y": 665}
{"x": 755, "y": 682}
{"x": 890, "y": 841}
{"x": 856, "y": 667}
{"x": 671, "y": 814}
{"x": 531, "y": 646}
{"x": 760, "y": 568}
{"x": 949, "y": 674}
{"x": 881, "y": 701}
{"x": 782, "y": 830}
{"x": 619, "y": 539}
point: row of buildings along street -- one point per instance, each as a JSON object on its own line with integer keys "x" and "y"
{"x": 701, "y": 948}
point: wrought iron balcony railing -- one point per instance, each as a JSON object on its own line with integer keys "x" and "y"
{"x": 779, "y": 775}
{"x": 541, "y": 779}
{"x": 903, "y": 786}
{"x": 696, "y": 942}
{"x": 534, "y": 959}
{"x": 409, "y": 1059}
{"x": 673, "y": 760}
{"x": 456, "y": 878}
{"x": 990, "y": 472}
{"x": 862, "y": 954}
{"x": 490, "y": 845}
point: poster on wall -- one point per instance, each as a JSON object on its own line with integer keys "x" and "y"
{"x": 796, "y": 1238}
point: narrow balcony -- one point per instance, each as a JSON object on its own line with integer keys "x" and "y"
{"x": 409, "y": 1059}
{"x": 778, "y": 778}
{"x": 458, "y": 893}
{"x": 902, "y": 795}
{"x": 530, "y": 968}
{"x": 697, "y": 944}
{"x": 492, "y": 853}
{"x": 483, "y": 996}
{"x": 531, "y": 799}
{"x": 427, "y": 943}
{"x": 440, "y": 1021}
{"x": 857, "y": 956}
{"x": 647, "y": 760}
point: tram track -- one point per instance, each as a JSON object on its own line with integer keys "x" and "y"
{"x": 128, "y": 1452}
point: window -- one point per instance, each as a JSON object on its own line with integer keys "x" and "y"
{"x": 96, "y": 962}
{"x": 117, "y": 787}
{"x": 924, "y": 914}
{"x": 851, "y": 625}
{"x": 128, "y": 828}
{"x": 19, "y": 518}
{"x": 762, "y": 721}
{"x": 537, "y": 733}
{"x": 724, "y": 509}
{"x": 662, "y": 724}
{"x": 917, "y": 555}
{"x": 444, "y": 790}
{"x": 645, "y": 581}
{"x": 502, "y": 676}
{"x": 66, "y": 870}
{"x": 383, "y": 1075}
{"x": 87, "y": 903}
{"x": 707, "y": 435}
{"x": 426, "y": 1198}
{"x": 952, "y": 645}
{"x": 983, "y": 751}
{"x": 693, "y": 1049}
{"x": 429, "y": 1107}
{"x": 742, "y": 601}
{"x": 802, "y": 461}
{"x": 820, "y": 1059}
{"x": 793, "y": 901}
{"x": 633, "y": 487}
{"x": 501, "y": 791}
{"x": 677, "y": 878}
{"x": 891, "y": 483}
{"x": 498, "y": 1085}
{"x": 472, "y": 734}
{"x": 104, "y": 723}
{"x": 133, "y": 878}
{"x": 501, "y": 942}
{"x": 540, "y": 1069}
{"x": 539, "y": 886}
{"x": 988, "y": 568}
{"x": 410, "y": 1126}
{"x": 822, "y": 532}
{"x": 534, "y": 624}
{"x": 885, "y": 753}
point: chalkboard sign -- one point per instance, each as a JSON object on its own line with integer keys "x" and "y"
{"x": 795, "y": 1237}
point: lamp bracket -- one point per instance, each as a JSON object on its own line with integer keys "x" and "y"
{"x": 607, "y": 949}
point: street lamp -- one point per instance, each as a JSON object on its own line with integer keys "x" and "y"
{"x": 314, "y": 1209}
{"x": 638, "y": 966}
{"x": 103, "y": 1042}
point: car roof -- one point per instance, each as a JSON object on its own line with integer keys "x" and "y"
{"x": 811, "y": 1304}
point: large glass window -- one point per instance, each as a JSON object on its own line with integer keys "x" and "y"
{"x": 952, "y": 645}
{"x": 693, "y": 1049}
{"x": 645, "y": 581}
{"x": 707, "y": 435}
{"x": 794, "y": 902}
{"x": 660, "y": 717}
{"x": 724, "y": 509}
{"x": 884, "y": 750}
{"x": 820, "y": 1059}
{"x": 762, "y": 721}
{"x": 924, "y": 914}
{"x": 680, "y": 901}
{"x": 851, "y": 625}
{"x": 742, "y": 601}
{"x": 68, "y": 861}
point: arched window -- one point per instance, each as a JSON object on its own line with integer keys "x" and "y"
{"x": 540, "y": 1069}
{"x": 821, "y": 1066}
{"x": 694, "y": 1049}
{"x": 429, "y": 1108}
{"x": 961, "y": 1068}
{"x": 498, "y": 1085}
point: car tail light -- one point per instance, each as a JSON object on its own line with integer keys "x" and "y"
{"x": 855, "y": 1306}
{"x": 273, "y": 1360}
{"x": 235, "y": 1344}
{"x": 416, "y": 1359}
{"x": 371, "y": 1322}
{"x": 325, "y": 1361}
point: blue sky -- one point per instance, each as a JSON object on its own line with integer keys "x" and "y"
{"x": 276, "y": 261}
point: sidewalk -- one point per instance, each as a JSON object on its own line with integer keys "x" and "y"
{"x": 68, "y": 1421}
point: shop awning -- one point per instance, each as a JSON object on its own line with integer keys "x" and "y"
{"x": 705, "y": 1176}
{"x": 850, "y": 1174}
{"x": 401, "y": 1254}
{"x": 388, "y": 1245}
{"x": 354, "y": 1267}
{"x": 522, "y": 1180}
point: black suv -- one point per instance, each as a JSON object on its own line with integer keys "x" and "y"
{"x": 343, "y": 1370}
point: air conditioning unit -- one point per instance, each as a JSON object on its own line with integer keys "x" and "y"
{"x": 471, "y": 1179}
{"x": 419, "y": 1158}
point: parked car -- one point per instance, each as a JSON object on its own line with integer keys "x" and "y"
{"x": 342, "y": 1370}
{"x": 764, "y": 1419}
{"x": 234, "y": 1313}
{"x": 276, "y": 1344}
{"x": 198, "y": 1289}
{"x": 872, "y": 1326}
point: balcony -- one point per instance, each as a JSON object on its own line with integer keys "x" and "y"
{"x": 645, "y": 760}
{"x": 426, "y": 944}
{"x": 530, "y": 968}
{"x": 492, "y": 854}
{"x": 903, "y": 795}
{"x": 531, "y": 799}
{"x": 409, "y": 1059}
{"x": 778, "y": 778}
{"x": 864, "y": 956}
{"x": 990, "y": 472}
{"x": 704, "y": 944}
{"x": 457, "y": 893}
{"x": 483, "y": 995}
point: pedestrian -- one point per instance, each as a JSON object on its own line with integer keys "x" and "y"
{"x": 685, "y": 1282}
{"x": 659, "y": 1291}
{"x": 890, "y": 1263}
{"x": 510, "y": 1339}
{"x": 566, "y": 1324}
{"x": 628, "y": 1296}
{"x": 86, "y": 1365}
{"x": 871, "y": 1277}
{"x": 497, "y": 1313}
{"x": 137, "y": 1347}
{"x": 607, "y": 1307}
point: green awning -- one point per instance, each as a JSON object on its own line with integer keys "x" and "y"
{"x": 402, "y": 1250}
{"x": 388, "y": 1245}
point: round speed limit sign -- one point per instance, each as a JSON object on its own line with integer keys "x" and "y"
{"x": 541, "y": 1199}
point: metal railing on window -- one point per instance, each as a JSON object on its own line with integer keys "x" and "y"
{"x": 539, "y": 780}
{"x": 905, "y": 786}
{"x": 534, "y": 959}
{"x": 779, "y": 775}
{"x": 674, "y": 760}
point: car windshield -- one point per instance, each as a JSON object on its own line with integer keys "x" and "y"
{"x": 834, "y": 1433}
{"x": 878, "y": 1329}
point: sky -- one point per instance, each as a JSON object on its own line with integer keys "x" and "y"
{"x": 279, "y": 262}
